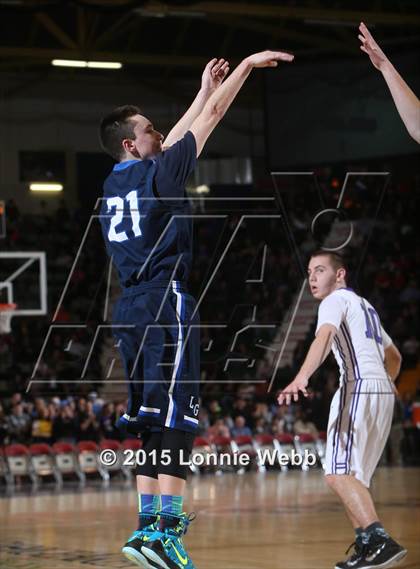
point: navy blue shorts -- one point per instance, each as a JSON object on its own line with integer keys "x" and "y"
{"x": 157, "y": 329}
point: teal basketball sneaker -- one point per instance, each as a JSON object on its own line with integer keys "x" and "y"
{"x": 132, "y": 549}
{"x": 166, "y": 550}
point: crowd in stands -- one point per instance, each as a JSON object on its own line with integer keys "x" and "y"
{"x": 390, "y": 279}
{"x": 27, "y": 420}
{"x": 43, "y": 419}
{"x": 49, "y": 420}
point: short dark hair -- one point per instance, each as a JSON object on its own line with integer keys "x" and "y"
{"x": 115, "y": 127}
{"x": 337, "y": 260}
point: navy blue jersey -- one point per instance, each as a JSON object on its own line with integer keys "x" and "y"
{"x": 149, "y": 236}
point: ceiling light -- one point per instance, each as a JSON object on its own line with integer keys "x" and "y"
{"x": 90, "y": 64}
{"x": 68, "y": 63}
{"x": 104, "y": 64}
{"x": 45, "y": 187}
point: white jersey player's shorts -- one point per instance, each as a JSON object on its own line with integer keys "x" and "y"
{"x": 358, "y": 427}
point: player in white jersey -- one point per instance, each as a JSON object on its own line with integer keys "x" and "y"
{"x": 362, "y": 408}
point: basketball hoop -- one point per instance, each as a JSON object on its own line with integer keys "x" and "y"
{"x": 6, "y": 313}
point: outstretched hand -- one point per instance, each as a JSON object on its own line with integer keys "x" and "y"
{"x": 369, "y": 46}
{"x": 269, "y": 58}
{"x": 214, "y": 73}
{"x": 292, "y": 390}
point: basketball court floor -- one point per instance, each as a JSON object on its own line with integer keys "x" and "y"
{"x": 256, "y": 521}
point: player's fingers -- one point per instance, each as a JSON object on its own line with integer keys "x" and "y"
{"x": 219, "y": 63}
{"x": 367, "y": 34}
{"x": 225, "y": 71}
{"x": 210, "y": 64}
{"x": 305, "y": 393}
{"x": 365, "y": 30}
{"x": 288, "y": 398}
{"x": 269, "y": 56}
{"x": 283, "y": 56}
{"x": 217, "y": 72}
{"x": 368, "y": 44}
{"x": 362, "y": 47}
{"x": 362, "y": 38}
{"x": 295, "y": 395}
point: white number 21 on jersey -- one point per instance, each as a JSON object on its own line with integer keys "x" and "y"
{"x": 117, "y": 218}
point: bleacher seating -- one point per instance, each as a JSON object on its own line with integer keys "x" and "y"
{"x": 88, "y": 454}
{"x": 66, "y": 460}
{"x": 19, "y": 463}
{"x": 43, "y": 461}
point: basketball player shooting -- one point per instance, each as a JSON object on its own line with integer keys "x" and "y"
{"x": 147, "y": 228}
{"x": 362, "y": 408}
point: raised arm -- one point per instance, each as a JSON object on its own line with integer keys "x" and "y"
{"x": 408, "y": 105}
{"x": 319, "y": 350}
{"x": 213, "y": 75}
{"x": 222, "y": 98}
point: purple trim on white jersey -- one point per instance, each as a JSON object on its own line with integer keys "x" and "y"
{"x": 347, "y": 337}
{"x": 343, "y": 394}
{"x": 356, "y": 395}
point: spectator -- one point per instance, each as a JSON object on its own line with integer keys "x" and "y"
{"x": 65, "y": 424}
{"x": 240, "y": 429}
{"x": 279, "y": 425}
{"x": 87, "y": 424}
{"x": 42, "y": 426}
{"x": 261, "y": 411}
{"x": 15, "y": 400}
{"x": 107, "y": 422}
{"x": 241, "y": 407}
{"x": 219, "y": 429}
{"x": 18, "y": 424}
{"x": 303, "y": 425}
{"x": 261, "y": 426}
{"x": 215, "y": 411}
